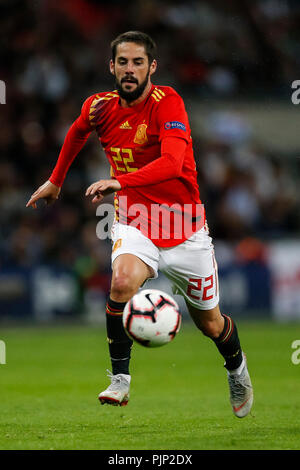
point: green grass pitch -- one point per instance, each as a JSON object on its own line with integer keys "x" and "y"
{"x": 179, "y": 394}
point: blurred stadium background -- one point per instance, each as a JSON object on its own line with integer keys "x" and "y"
{"x": 233, "y": 62}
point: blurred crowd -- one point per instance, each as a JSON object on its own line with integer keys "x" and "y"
{"x": 55, "y": 54}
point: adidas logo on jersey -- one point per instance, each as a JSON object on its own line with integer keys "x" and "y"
{"x": 125, "y": 125}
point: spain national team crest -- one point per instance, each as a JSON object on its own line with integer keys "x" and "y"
{"x": 140, "y": 137}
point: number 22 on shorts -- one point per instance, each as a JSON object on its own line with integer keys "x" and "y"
{"x": 201, "y": 286}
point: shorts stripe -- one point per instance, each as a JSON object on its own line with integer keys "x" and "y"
{"x": 216, "y": 273}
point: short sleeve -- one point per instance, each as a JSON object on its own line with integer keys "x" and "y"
{"x": 172, "y": 118}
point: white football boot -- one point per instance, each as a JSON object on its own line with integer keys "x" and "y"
{"x": 241, "y": 391}
{"x": 117, "y": 393}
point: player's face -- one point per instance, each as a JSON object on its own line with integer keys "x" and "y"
{"x": 132, "y": 70}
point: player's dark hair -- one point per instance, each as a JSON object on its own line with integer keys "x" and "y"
{"x": 138, "y": 38}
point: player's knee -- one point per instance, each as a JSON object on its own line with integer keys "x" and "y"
{"x": 122, "y": 288}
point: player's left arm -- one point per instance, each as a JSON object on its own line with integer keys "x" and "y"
{"x": 166, "y": 167}
{"x": 102, "y": 188}
{"x": 174, "y": 136}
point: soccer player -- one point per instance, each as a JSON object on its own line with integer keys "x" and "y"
{"x": 145, "y": 133}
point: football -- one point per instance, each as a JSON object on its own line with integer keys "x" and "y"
{"x": 152, "y": 318}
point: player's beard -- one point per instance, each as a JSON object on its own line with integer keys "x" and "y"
{"x": 130, "y": 96}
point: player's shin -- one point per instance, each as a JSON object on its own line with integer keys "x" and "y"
{"x": 228, "y": 344}
{"x": 119, "y": 343}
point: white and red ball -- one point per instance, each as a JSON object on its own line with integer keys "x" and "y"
{"x": 152, "y": 318}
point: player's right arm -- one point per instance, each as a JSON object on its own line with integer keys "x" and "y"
{"x": 73, "y": 143}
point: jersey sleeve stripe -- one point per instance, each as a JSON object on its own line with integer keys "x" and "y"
{"x": 157, "y": 90}
{"x": 106, "y": 97}
{"x": 157, "y": 94}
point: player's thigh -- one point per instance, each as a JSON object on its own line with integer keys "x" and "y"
{"x": 134, "y": 260}
{"x": 192, "y": 269}
{"x": 129, "y": 240}
{"x": 209, "y": 321}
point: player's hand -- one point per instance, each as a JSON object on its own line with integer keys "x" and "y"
{"x": 48, "y": 191}
{"x": 102, "y": 188}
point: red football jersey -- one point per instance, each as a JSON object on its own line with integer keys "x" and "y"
{"x": 159, "y": 195}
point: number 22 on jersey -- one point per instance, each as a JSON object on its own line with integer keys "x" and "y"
{"x": 122, "y": 158}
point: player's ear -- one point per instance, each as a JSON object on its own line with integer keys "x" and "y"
{"x": 153, "y": 66}
{"x": 112, "y": 67}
